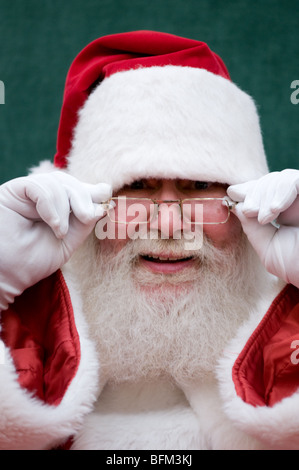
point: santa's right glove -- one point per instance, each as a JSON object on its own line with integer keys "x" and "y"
{"x": 44, "y": 218}
{"x": 273, "y": 198}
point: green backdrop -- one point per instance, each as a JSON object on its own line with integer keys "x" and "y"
{"x": 258, "y": 40}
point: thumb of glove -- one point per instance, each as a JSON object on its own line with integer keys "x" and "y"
{"x": 238, "y": 192}
{"x": 260, "y": 236}
{"x": 275, "y": 247}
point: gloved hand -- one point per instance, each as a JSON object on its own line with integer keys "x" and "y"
{"x": 272, "y": 197}
{"x": 44, "y": 219}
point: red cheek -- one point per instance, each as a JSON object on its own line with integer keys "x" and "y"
{"x": 223, "y": 234}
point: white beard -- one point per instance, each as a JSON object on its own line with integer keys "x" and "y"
{"x": 149, "y": 325}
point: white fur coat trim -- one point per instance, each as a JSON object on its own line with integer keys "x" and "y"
{"x": 277, "y": 426}
{"x": 26, "y": 423}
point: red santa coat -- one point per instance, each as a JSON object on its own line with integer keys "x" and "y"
{"x": 49, "y": 379}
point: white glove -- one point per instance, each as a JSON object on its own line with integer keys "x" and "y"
{"x": 272, "y": 197}
{"x": 44, "y": 219}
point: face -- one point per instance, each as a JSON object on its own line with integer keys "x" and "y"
{"x": 166, "y": 224}
{"x": 155, "y": 308}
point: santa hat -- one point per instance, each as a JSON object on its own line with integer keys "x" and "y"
{"x": 149, "y": 104}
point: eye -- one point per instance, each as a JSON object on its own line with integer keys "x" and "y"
{"x": 201, "y": 185}
{"x": 143, "y": 184}
{"x": 190, "y": 185}
{"x": 137, "y": 185}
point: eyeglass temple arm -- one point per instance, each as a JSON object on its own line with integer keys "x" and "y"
{"x": 230, "y": 203}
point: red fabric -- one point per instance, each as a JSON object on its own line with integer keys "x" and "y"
{"x": 39, "y": 329}
{"x": 265, "y": 371}
{"x": 118, "y": 52}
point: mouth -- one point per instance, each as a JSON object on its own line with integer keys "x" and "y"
{"x": 166, "y": 263}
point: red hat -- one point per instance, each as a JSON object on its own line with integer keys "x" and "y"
{"x": 118, "y": 52}
{"x": 149, "y": 104}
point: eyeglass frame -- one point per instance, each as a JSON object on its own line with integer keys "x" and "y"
{"x": 157, "y": 202}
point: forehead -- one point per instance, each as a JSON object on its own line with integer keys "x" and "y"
{"x": 154, "y": 182}
{"x": 192, "y": 188}
{"x": 173, "y": 181}
{"x": 165, "y": 180}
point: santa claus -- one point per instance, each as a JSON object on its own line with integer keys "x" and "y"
{"x": 149, "y": 277}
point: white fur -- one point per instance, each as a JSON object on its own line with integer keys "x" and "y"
{"x": 219, "y": 431}
{"x": 172, "y": 122}
{"x": 44, "y": 166}
{"x": 141, "y": 416}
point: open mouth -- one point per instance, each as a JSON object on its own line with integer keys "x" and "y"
{"x": 164, "y": 263}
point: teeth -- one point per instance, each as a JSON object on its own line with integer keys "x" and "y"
{"x": 164, "y": 258}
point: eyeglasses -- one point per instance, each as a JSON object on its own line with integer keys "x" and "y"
{"x": 198, "y": 211}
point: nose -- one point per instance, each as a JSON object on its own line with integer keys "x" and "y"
{"x": 168, "y": 220}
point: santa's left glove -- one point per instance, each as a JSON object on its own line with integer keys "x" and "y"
{"x": 44, "y": 219}
{"x": 268, "y": 210}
